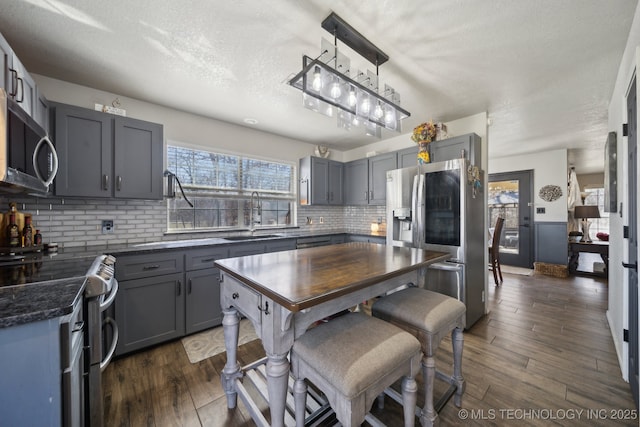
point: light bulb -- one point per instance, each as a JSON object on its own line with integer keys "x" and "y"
{"x": 365, "y": 106}
{"x": 317, "y": 79}
{"x": 352, "y": 97}
{"x": 390, "y": 117}
{"x": 335, "y": 89}
{"x": 377, "y": 113}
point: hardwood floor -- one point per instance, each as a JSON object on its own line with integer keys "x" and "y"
{"x": 542, "y": 356}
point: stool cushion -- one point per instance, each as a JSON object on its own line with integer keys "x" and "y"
{"x": 354, "y": 350}
{"x": 425, "y": 310}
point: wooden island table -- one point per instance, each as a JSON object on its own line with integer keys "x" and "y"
{"x": 283, "y": 293}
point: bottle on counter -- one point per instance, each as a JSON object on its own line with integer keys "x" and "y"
{"x": 37, "y": 239}
{"x": 27, "y": 232}
{"x": 13, "y": 233}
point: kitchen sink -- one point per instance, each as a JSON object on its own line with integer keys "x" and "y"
{"x": 237, "y": 238}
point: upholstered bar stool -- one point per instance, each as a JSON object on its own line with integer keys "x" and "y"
{"x": 352, "y": 359}
{"x": 429, "y": 316}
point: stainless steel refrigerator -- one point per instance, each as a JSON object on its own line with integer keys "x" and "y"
{"x": 440, "y": 206}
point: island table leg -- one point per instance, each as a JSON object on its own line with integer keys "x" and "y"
{"x": 277, "y": 383}
{"x": 231, "y": 371}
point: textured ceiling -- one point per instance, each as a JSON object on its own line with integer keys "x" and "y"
{"x": 543, "y": 70}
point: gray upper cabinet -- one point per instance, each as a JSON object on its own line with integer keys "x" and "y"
{"x": 23, "y": 87}
{"x": 408, "y": 157}
{"x": 138, "y": 159}
{"x": 321, "y": 181}
{"x": 366, "y": 179}
{"x": 101, "y": 155}
{"x": 356, "y": 182}
{"x": 378, "y": 167}
{"x": 5, "y": 64}
{"x": 20, "y": 86}
{"x": 452, "y": 148}
{"x": 83, "y": 140}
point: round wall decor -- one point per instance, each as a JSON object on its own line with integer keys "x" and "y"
{"x": 549, "y": 193}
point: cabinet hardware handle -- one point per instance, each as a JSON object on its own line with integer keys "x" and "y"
{"x": 105, "y": 182}
{"x": 119, "y": 183}
{"x": 14, "y": 82}
{"x": 189, "y": 285}
{"x": 235, "y": 295}
{"x": 21, "y": 90}
{"x": 208, "y": 260}
{"x": 366, "y": 195}
{"x": 179, "y": 288}
{"x": 78, "y": 326}
{"x": 266, "y": 308}
{"x": 150, "y": 267}
{"x": 370, "y": 195}
{"x": 633, "y": 266}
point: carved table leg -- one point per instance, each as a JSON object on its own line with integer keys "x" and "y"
{"x": 458, "y": 341}
{"x": 231, "y": 371}
{"x": 277, "y": 382}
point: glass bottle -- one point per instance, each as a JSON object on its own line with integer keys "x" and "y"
{"x": 37, "y": 239}
{"x": 27, "y": 232}
{"x": 13, "y": 234}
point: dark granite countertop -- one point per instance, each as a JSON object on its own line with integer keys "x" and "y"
{"x": 39, "y": 301}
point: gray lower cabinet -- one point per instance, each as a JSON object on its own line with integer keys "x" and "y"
{"x": 280, "y": 245}
{"x": 150, "y": 303}
{"x": 106, "y": 156}
{"x": 150, "y": 311}
{"x": 202, "y": 305}
{"x": 367, "y": 239}
{"x": 203, "y": 308}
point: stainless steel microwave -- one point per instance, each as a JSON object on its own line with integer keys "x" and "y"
{"x": 28, "y": 158}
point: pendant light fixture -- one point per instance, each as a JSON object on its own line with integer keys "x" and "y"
{"x": 329, "y": 87}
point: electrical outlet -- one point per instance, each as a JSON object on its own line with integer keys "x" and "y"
{"x": 321, "y": 220}
{"x": 107, "y": 226}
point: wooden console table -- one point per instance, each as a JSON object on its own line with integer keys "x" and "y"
{"x": 283, "y": 293}
{"x": 598, "y": 247}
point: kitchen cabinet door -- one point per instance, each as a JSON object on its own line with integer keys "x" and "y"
{"x": 246, "y": 249}
{"x": 336, "y": 182}
{"x": 23, "y": 86}
{"x": 41, "y": 111}
{"x": 452, "y": 148}
{"x": 138, "y": 159}
{"x": 280, "y": 245}
{"x": 5, "y": 64}
{"x": 378, "y": 167}
{"x": 203, "y": 309}
{"x": 356, "y": 182}
{"x": 83, "y": 140}
{"x": 407, "y": 157}
{"x": 150, "y": 311}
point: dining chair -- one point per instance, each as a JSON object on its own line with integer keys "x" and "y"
{"x": 494, "y": 252}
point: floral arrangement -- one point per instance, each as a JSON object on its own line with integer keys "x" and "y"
{"x": 425, "y": 132}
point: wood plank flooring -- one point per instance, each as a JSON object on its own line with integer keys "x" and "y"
{"x": 542, "y": 356}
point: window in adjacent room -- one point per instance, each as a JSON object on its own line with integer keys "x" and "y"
{"x": 595, "y": 196}
{"x": 220, "y": 185}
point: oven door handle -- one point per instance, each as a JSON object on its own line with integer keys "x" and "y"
{"x": 112, "y": 295}
{"x": 112, "y": 348}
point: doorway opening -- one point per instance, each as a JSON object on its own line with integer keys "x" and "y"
{"x": 510, "y": 196}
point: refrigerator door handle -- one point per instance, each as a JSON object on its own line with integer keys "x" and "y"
{"x": 414, "y": 211}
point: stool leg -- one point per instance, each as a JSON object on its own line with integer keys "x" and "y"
{"x": 380, "y": 400}
{"x": 428, "y": 415}
{"x": 300, "y": 401}
{"x": 409, "y": 398}
{"x": 457, "y": 340}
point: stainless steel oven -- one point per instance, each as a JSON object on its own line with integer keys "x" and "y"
{"x": 100, "y": 292}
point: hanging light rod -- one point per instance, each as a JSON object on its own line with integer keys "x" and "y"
{"x": 330, "y": 87}
{"x": 352, "y": 38}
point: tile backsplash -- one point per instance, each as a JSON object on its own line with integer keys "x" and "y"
{"x": 78, "y": 222}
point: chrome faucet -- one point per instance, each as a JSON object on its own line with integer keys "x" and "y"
{"x": 253, "y": 221}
